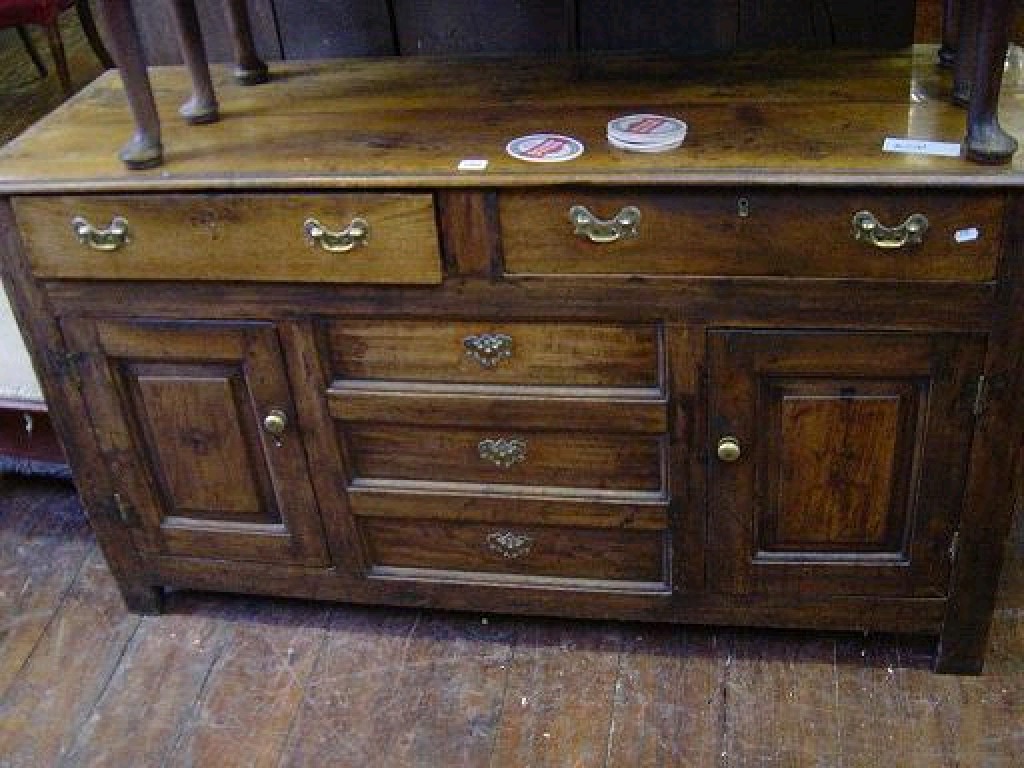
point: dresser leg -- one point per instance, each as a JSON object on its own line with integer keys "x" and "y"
{"x": 201, "y": 107}
{"x": 143, "y": 599}
{"x": 250, "y": 69}
{"x": 144, "y": 149}
{"x": 987, "y": 142}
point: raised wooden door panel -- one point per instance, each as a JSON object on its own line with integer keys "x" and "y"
{"x": 853, "y": 453}
{"x": 179, "y": 411}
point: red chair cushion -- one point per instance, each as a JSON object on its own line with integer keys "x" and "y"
{"x": 14, "y": 13}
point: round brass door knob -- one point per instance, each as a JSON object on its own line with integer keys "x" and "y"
{"x": 729, "y": 449}
{"x": 275, "y": 423}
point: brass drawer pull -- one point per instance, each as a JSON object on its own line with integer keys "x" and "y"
{"x": 504, "y": 452}
{"x": 488, "y": 349}
{"x": 867, "y": 228}
{"x": 510, "y": 544}
{"x": 109, "y": 239}
{"x": 624, "y": 226}
{"x": 356, "y": 233}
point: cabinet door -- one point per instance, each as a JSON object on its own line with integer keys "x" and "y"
{"x": 852, "y": 454}
{"x": 179, "y": 411}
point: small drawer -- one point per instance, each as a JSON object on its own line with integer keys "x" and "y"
{"x": 507, "y": 457}
{"x": 549, "y": 354}
{"x": 528, "y": 550}
{"x": 766, "y": 233}
{"x": 362, "y": 238}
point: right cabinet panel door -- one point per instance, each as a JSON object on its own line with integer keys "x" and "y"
{"x": 837, "y": 460}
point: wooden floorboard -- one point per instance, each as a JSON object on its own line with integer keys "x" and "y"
{"x": 223, "y": 680}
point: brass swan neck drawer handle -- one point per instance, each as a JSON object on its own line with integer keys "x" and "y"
{"x": 504, "y": 452}
{"x": 356, "y": 233}
{"x": 625, "y": 225}
{"x": 488, "y": 349}
{"x": 109, "y": 239}
{"x": 868, "y": 229}
{"x": 509, "y": 544}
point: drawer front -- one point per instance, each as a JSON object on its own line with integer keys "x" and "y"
{"x": 563, "y": 354}
{"x": 234, "y": 237}
{"x": 761, "y": 233}
{"x": 574, "y": 553}
{"x": 515, "y": 457}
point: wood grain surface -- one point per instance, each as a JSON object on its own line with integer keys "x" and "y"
{"x": 433, "y": 113}
{"x": 235, "y": 237}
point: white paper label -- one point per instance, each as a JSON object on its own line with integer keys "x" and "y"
{"x": 967, "y": 235}
{"x": 921, "y": 147}
{"x": 473, "y": 164}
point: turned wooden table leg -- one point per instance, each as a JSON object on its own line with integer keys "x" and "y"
{"x": 250, "y": 69}
{"x": 144, "y": 149}
{"x": 950, "y": 32}
{"x": 987, "y": 142}
{"x": 202, "y": 104}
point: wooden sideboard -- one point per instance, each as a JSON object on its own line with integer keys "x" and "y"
{"x": 311, "y": 357}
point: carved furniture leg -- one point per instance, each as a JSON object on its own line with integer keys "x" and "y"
{"x": 144, "y": 149}
{"x": 250, "y": 69}
{"x": 966, "y": 52}
{"x": 92, "y": 34}
{"x": 60, "y": 58}
{"x": 950, "y": 32}
{"x": 987, "y": 142}
{"x": 33, "y": 53}
{"x": 201, "y": 106}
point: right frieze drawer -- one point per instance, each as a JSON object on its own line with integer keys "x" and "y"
{"x": 874, "y": 234}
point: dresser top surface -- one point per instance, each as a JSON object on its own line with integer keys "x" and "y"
{"x": 800, "y": 118}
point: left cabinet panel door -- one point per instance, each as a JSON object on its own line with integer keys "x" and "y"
{"x": 196, "y": 421}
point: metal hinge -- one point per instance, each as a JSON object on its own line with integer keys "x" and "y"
{"x": 954, "y": 546}
{"x": 125, "y": 511}
{"x": 980, "y": 395}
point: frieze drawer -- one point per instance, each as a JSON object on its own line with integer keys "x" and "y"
{"x": 488, "y": 352}
{"x": 829, "y": 234}
{"x": 344, "y": 238}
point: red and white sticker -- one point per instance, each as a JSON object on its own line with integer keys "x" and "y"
{"x": 545, "y": 148}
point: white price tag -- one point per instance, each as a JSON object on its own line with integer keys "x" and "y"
{"x": 473, "y": 164}
{"x": 921, "y": 147}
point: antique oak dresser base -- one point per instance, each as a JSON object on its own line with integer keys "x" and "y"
{"x": 771, "y": 378}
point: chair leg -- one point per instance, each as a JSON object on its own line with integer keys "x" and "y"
{"x": 92, "y": 34}
{"x": 144, "y": 150}
{"x": 59, "y": 57}
{"x": 33, "y": 53}
{"x": 250, "y": 69}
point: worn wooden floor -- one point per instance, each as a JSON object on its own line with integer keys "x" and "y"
{"x": 241, "y": 681}
{"x": 24, "y": 96}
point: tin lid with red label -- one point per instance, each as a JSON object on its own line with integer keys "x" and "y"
{"x": 646, "y": 129}
{"x": 545, "y": 148}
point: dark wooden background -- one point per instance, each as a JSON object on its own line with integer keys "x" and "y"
{"x": 305, "y": 29}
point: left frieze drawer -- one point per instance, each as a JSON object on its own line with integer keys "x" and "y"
{"x": 343, "y": 238}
